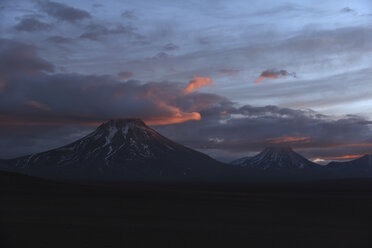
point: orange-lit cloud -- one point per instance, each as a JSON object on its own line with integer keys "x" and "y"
{"x": 38, "y": 105}
{"x": 262, "y": 77}
{"x": 359, "y": 144}
{"x": 163, "y": 101}
{"x": 177, "y": 117}
{"x": 348, "y": 145}
{"x": 197, "y": 83}
{"x": 343, "y": 157}
{"x": 174, "y": 114}
{"x": 288, "y": 140}
{"x": 274, "y": 74}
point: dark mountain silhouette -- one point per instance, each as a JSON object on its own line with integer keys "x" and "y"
{"x": 362, "y": 164}
{"x": 128, "y": 150}
{"x": 276, "y": 158}
{"x": 116, "y": 150}
{"x": 240, "y": 161}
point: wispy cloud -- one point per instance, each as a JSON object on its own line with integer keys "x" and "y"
{"x": 62, "y": 11}
{"x": 274, "y": 74}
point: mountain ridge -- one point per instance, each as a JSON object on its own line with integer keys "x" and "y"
{"x": 127, "y": 149}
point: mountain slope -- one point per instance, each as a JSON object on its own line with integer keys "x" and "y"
{"x": 240, "y": 161}
{"x": 119, "y": 149}
{"x": 360, "y": 164}
{"x": 276, "y": 158}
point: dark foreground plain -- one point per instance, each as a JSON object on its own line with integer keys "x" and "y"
{"x": 40, "y": 213}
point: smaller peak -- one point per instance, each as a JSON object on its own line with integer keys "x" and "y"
{"x": 122, "y": 122}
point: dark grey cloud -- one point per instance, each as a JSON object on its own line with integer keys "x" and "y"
{"x": 229, "y": 71}
{"x": 60, "y": 39}
{"x": 170, "y": 47}
{"x": 347, "y": 10}
{"x": 32, "y": 25}
{"x": 97, "y": 32}
{"x": 75, "y": 98}
{"x": 229, "y": 130}
{"x": 128, "y": 14}
{"x": 273, "y": 74}
{"x": 278, "y": 73}
{"x": 124, "y": 75}
{"x": 18, "y": 59}
{"x": 62, "y": 11}
{"x": 161, "y": 55}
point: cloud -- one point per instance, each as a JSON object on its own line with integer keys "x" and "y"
{"x": 274, "y": 74}
{"x": 197, "y": 83}
{"x": 287, "y": 9}
{"x": 347, "y": 10}
{"x": 208, "y": 122}
{"x": 288, "y": 140}
{"x": 60, "y": 39}
{"x": 32, "y": 25}
{"x": 170, "y": 47}
{"x": 93, "y": 99}
{"x": 63, "y": 12}
{"x": 161, "y": 55}
{"x": 86, "y": 100}
{"x": 246, "y": 130}
{"x": 97, "y": 32}
{"x": 229, "y": 71}
{"x": 38, "y": 105}
{"x": 344, "y": 157}
{"x": 17, "y": 59}
{"x": 129, "y": 14}
{"x": 124, "y": 75}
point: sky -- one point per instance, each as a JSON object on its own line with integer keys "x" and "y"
{"x": 227, "y": 78}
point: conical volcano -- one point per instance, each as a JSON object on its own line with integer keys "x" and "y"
{"x": 119, "y": 149}
{"x": 275, "y": 158}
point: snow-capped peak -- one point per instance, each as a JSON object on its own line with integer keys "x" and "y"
{"x": 276, "y": 157}
{"x": 121, "y": 148}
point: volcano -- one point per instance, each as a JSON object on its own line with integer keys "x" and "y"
{"x": 276, "y": 158}
{"x": 119, "y": 149}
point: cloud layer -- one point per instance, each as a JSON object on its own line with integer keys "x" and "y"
{"x": 66, "y": 66}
